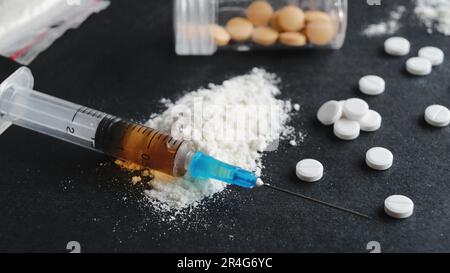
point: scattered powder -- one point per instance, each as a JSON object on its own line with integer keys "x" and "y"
{"x": 128, "y": 165}
{"x": 144, "y": 177}
{"x": 435, "y": 14}
{"x": 391, "y": 26}
{"x": 234, "y": 122}
{"x": 136, "y": 179}
{"x": 147, "y": 173}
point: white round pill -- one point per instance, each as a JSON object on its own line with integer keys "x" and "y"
{"x": 437, "y": 115}
{"x": 355, "y": 109}
{"x": 418, "y": 66}
{"x": 346, "y": 129}
{"x": 398, "y": 206}
{"x": 329, "y": 112}
{"x": 379, "y": 158}
{"x": 370, "y": 122}
{"x": 372, "y": 85}
{"x": 309, "y": 170}
{"x": 397, "y": 46}
{"x": 433, "y": 54}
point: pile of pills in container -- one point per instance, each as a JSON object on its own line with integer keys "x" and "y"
{"x": 353, "y": 115}
{"x": 289, "y": 25}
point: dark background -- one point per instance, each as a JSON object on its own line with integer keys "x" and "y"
{"x": 122, "y": 61}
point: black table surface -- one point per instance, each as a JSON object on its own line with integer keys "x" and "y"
{"x": 122, "y": 61}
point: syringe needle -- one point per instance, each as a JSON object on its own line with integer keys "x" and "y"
{"x": 317, "y": 201}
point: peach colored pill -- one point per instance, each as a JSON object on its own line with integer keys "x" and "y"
{"x": 240, "y": 29}
{"x": 320, "y": 31}
{"x": 264, "y": 36}
{"x": 274, "y": 21}
{"x": 316, "y": 15}
{"x": 220, "y": 35}
{"x": 292, "y": 39}
{"x": 291, "y": 18}
{"x": 259, "y": 13}
{"x": 313, "y": 15}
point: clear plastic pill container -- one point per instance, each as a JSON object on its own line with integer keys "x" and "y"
{"x": 204, "y": 26}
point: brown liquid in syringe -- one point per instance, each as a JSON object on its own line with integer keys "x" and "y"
{"x": 137, "y": 143}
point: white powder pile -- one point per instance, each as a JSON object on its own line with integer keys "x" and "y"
{"x": 233, "y": 122}
{"x": 435, "y": 14}
{"x": 391, "y": 26}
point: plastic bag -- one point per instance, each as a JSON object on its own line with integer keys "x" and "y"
{"x": 28, "y": 27}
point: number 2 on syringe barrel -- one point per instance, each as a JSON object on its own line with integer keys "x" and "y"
{"x": 84, "y": 124}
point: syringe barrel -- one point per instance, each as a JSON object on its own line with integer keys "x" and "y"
{"x": 49, "y": 115}
{"x": 23, "y": 106}
{"x": 143, "y": 145}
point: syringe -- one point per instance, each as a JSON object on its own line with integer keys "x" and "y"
{"x": 25, "y": 107}
{"x": 89, "y": 128}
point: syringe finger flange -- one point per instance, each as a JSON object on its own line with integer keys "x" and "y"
{"x": 21, "y": 77}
